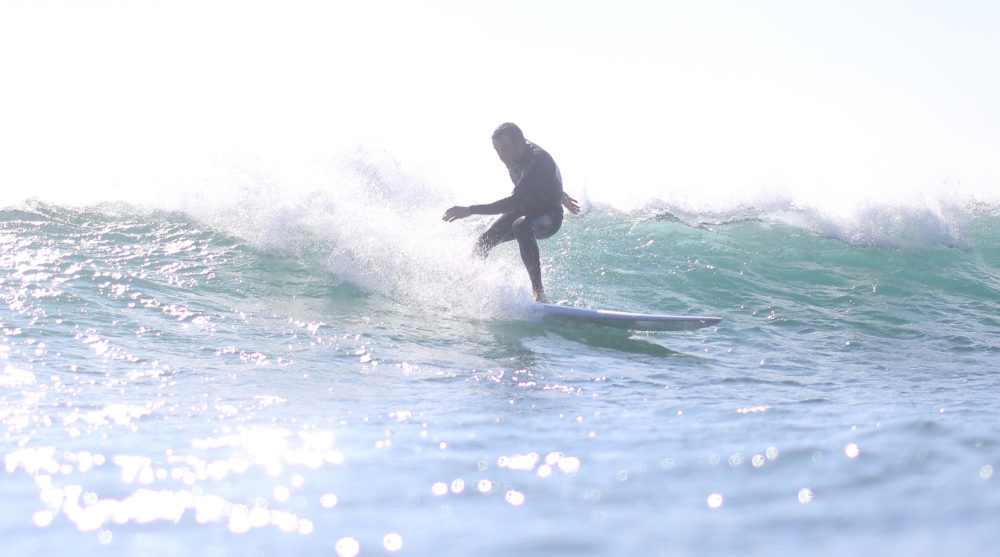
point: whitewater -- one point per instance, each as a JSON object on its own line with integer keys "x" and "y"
{"x": 232, "y": 321}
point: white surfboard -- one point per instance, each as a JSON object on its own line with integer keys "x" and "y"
{"x": 624, "y": 320}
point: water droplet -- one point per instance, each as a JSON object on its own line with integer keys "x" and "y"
{"x": 439, "y": 489}
{"x": 515, "y": 498}
{"x": 281, "y": 494}
{"x": 851, "y": 450}
{"x": 805, "y": 495}
{"x": 485, "y": 487}
{"x": 392, "y": 542}
{"x": 986, "y": 472}
{"x": 43, "y": 518}
{"x": 347, "y": 547}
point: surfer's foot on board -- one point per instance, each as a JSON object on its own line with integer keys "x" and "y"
{"x": 540, "y": 296}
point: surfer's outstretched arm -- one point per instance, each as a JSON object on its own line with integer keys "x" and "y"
{"x": 455, "y": 213}
{"x": 505, "y": 205}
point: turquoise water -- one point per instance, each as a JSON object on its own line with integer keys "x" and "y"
{"x": 292, "y": 379}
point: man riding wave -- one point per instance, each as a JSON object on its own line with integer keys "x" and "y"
{"x": 534, "y": 210}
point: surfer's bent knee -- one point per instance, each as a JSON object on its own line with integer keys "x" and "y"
{"x": 546, "y": 225}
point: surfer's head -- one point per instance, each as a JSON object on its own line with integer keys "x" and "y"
{"x": 508, "y": 140}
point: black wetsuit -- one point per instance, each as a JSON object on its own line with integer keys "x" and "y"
{"x": 533, "y": 211}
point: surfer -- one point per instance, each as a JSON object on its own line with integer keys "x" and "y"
{"x": 534, "y": 211}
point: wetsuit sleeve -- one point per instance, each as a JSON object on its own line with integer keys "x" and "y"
{"x": 504, "y": 205}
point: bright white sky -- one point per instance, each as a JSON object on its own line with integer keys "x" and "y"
{"x": 672, "y": 97}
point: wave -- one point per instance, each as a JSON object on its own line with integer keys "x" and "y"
{"x": 760, "y": 272}
{"x": 372, "y": 220}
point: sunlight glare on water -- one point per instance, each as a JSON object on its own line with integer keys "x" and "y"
{"x": 233, "y": 322}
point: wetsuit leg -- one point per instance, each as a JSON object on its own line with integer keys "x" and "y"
{"x": 499, "y": 232}
{"x": 529, "y": 252}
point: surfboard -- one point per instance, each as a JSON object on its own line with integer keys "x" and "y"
{"x": 624, "y": 320}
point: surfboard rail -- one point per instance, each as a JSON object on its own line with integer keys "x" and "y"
{"x": 625, "y": 320}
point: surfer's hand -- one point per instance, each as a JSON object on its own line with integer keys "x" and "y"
{"x": 455, "y": 213}
{"x": 571, "y": 204}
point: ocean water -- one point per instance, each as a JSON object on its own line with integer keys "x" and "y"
{"x": 232, "y": 322}
{"x": 262, "y": 369}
